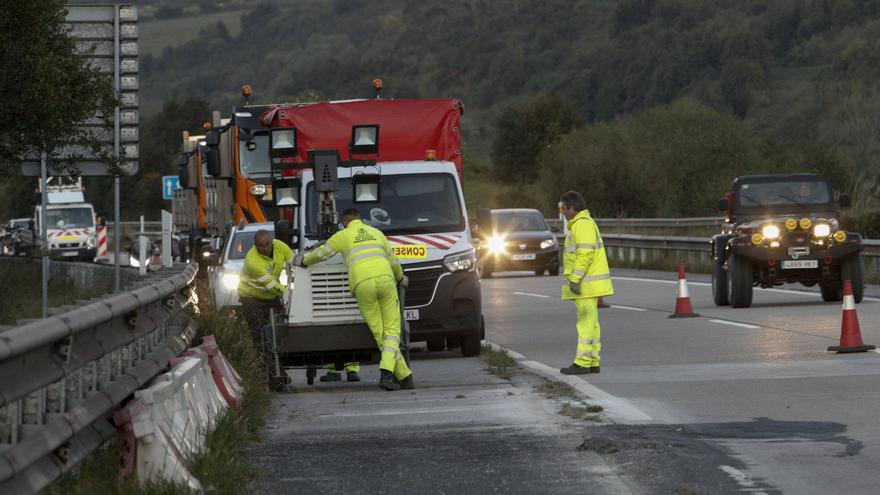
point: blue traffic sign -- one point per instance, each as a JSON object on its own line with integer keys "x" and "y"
{"x": 170, "y": 183}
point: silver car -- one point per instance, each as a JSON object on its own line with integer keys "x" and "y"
{"x": 224, "y": 276}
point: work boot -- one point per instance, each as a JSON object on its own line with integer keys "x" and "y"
{"x": 352, "y": 376}
{"x": 407, "y": 383}
{"x": 574, "y": 369}
{"x": 594, "y": 369}
{"x": 332, "y": 376}
{"x": 386, "y": 381}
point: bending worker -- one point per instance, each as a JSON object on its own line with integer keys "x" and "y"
{"x": 587, "y": 278}
{"x": 259, "y": 288}
{"x": 373, "y": 274}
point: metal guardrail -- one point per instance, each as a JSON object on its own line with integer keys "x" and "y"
{"x": 61, "y": 377}
{"x": 651, "y": 222}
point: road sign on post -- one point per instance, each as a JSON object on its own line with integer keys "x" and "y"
{"x": 170, "y": 183}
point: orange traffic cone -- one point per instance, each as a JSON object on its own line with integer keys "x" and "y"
{"x": 850, "y": 334}
{"x": 602, "y": 303}
{"x": 683, "y": 308}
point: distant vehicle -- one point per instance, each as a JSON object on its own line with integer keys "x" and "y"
{"x": 17, "y": 237}
{"x": 70, "y": 222}
{"x": 783, "y": 229}
{"x": 516, "y": 239}
{"x": 225, "y": 267}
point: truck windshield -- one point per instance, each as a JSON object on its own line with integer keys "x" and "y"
{"x": 411, "y": 204}
{"x": 255, "y": 162}
{"x": 69, "y": 218}
{"x": 518, "y": 221}
{"x": 789, "y": 193}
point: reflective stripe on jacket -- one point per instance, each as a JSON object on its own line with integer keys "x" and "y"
{"x": 584, "y": 259}
{"x": 259, "y": 276}
{"x": 365, "y": 250}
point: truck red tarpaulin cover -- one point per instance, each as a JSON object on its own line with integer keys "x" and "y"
{"x": 406, "y": 127}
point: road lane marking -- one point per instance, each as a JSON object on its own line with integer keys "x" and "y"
{"x": 735, "y": 323}
{"x": 628, "y": 308}
{"x": 616, "y": 408}
{"x": 401, "y": 411}
{"x": 742, "y": 479}
{"x": 531, "y": 294}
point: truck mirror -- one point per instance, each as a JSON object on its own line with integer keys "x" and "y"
{"x": 183, "y": 176}
{"x": 723, "y": 204}
{"x": 182, "y": 160}
{"x": 212, "y": 161}
{"x": 366, "y": 188}
{"x": 844, "y": 201}
{"x": 212, "y": 138}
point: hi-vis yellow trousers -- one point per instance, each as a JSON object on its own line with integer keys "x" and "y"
{"x": 377, "y": 300}
{"x": 588, "y": 332}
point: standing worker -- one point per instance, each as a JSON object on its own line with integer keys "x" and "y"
{"x": 373, "y": 274}
{"x": 587, "y": 278}
{"x": 259, "y": 288}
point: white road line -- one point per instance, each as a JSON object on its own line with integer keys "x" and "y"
{"x": 735, "y": 323}
{"x": 616, "y": 408}
{"x": 742, "y": 479}
{"x": 531, "y": 294}
{"x": 628, "y": 308}
{"x": 401, "y": 411}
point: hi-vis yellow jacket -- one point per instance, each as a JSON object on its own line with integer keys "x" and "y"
{"x": 584, "y": 259}
{"x": 259, "y": 276}
{"x": 365, "y": 250}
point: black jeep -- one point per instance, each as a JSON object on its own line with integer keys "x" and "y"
{"x": 783, "y": 229}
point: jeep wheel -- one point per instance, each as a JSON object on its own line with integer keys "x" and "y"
{"x": 852, "y": 269}
{"x": 830, "y": 290}
{"x": 739, "y": 282}
{"x": 719, "y": 284}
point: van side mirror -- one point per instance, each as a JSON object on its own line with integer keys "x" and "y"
{"x": 844, "y": 201}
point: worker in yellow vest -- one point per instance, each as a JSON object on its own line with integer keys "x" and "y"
{"x": 373, "y": 275}
{"x": 586, "y": 279}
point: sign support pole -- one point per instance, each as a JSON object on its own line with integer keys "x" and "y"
{"x": 44, "y": 233}
{"x": 116, "y": 220}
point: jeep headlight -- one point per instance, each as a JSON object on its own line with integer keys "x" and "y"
{"x": 460, "y": 262}
{"x": 495, "y": 244}
{"x": 770, "y": 232}
{"x": 230, "y": 280}
{"x": 548, "y": 243}
{"x": 822, "y": 230}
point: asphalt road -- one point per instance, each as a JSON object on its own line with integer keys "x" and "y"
{"x": 755, "y": 387}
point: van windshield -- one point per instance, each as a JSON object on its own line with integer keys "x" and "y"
{"x": 411, "y": 204}
{"x": 69, "y": 218}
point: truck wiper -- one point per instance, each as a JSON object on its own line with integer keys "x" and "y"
{"x": 753, "y": 200}
{"x": 801, "y": 205}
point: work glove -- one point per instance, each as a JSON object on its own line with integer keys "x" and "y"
{"x": 574, "y": 287}
{"x": 404, "y": 282}
{"x": 299, "y": 260}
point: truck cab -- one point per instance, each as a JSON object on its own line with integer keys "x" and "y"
{"x": 70, "y": 224}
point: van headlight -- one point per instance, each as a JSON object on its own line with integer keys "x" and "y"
{"x": 460, "y": 262}
{"x": 133, "y": 261}
{"x": 230, "y": 280}
{"x": 770, "y": 232}
{"x": 821, "y": 230}
{"x": 548, "y": 243}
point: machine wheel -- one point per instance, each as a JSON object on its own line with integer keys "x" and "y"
{"x": 470, "y": 344}
{"x": 719, "y": 284}
{"x": 739, "y": 282}
{"x": 311, "y": 372}
{"x": 831, "y": 290}
{"x": 853, "y": 270}
{"x": 436, "y": 344}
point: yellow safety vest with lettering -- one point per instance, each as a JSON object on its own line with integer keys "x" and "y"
{"x": 584, "y": 259}
{"x": 365, "y": 250}
{"x": 259, "y": 276}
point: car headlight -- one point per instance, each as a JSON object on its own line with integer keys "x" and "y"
{"x": 770, "y": 232}
{"x": 230, "y": 280}
{"x": 822, "y": 230}
{"x": 548, "y": 243}
{"x": 495, "y": 244}
{"x": 460, "y": 262}
{"x": 133, "y": 261}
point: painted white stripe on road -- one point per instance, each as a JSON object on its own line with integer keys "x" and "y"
{"x": 616, "y": 408}
{"x": 531, "y": 294}
{"x": 735, "y": 324}
{"x": 628, "y": 308}
{"x": 402, "y": 411}
{"x": 742, "y": 479}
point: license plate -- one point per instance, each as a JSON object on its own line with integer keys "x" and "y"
{"x": 411, "y": 314}
{"x": 523, "y": 257}
{"x": 791, "y": 264}
{"x": 69, "y": 253}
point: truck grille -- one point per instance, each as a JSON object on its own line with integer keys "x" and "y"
{"x": 330, "y": 295}
{"x": 421, "y": 285}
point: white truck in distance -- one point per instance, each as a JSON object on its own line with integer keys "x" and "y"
{"x": 70, "y": 224}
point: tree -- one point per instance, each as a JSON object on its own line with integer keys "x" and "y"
{"x": 524, "y": 132}
{"x": 46, "y": 87}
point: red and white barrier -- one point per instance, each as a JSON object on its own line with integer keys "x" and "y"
{"x": 102, "y": 242}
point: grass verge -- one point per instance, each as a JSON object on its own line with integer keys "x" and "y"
{"x": 556, "y": 390}
{"x": 576, "y": 411}
{"x": 499, "y": 361}
{"x": 223, "y": 468}
{"x": 26, "y": 299}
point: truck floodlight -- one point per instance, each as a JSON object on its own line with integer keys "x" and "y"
{"x": 283, "y": 143}
{"x": 365, "y": 139}
{"x": 366, "y": 188}
{"x": 770, "y": 232}
{"x": 285, "y": 192}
